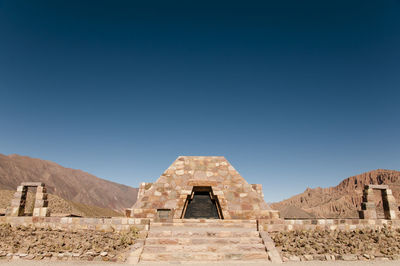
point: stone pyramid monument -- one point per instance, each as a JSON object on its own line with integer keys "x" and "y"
{"x": 201, "y": 187}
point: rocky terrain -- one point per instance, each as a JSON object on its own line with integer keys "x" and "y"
{"x": 34, "y": 243}
{"x": 70, "y": 184}
{"x": 59, "y": 206}
{"x": 342, "y": 201}
{"x": 346, "y": 245}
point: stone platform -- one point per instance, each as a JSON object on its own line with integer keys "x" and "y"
{"x": 205, "y": 240}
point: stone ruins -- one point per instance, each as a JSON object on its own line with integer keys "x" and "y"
{"x": 369, "y": 207}
{"x": 201, "y": 187}
{"x": 202, "y": 209}
{"x": 18, "y": 203}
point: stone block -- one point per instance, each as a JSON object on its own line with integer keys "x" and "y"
{"x": 17, "y": 202}
{"x": 14, "y": 211}
{"x": 347, "y": 257}
{"x": 41, "y": 212}
{"x": 389, "y": 198}
{"x": 369, "y": 192}
{"x": 393, "y": 206}
{"x": 319, "y": 257}
{"x": 376, "y": 186}
{"x": 20, "y": 194}
{"x": 387, "y": 192}
{"x": 41, "y": 189}
{"x": 22, "y": 189}
{"x": 41, "y": 196}
{"x": 32, "y": 184}
{"x": 390, "y": 215}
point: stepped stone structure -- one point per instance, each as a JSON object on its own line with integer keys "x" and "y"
{"x": 193, "y": 240}
{"x": 368, "y": 207}
{"x": 18, "y": 203}
{"x": 201, "y": 187}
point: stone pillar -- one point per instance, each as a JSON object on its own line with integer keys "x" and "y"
{"x": 389, "y": 204}
{"x": 368, "y": 208}
{"x": 41, "y": 203}
{"x": 18, "y": 202}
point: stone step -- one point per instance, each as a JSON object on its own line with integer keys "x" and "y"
{"x": 205, "y": 247}
{"x": 204, "y": 225}
{"x": 210, "y": 221}
{"x": 200, "y": 229}
{"x": 201, "y": 234}
{"x": 203, "y": 240}
{"x": 200, "y": 241}
{"x": 205, "y": 256}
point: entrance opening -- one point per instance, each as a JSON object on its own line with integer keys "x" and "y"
{"x": 378, "y": 200}
{"x": 29, "y": 201}
{"x": 202, "y": 203}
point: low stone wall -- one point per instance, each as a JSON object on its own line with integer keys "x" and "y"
{"x": 142, "y": 224}
{"x": 328, "y": 224}
{"x": 303, "y": 236}
{"x": 78, "y": 223}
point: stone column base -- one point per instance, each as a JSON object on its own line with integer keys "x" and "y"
{"x": 14, "y": 211}
{"x": 42, "y": 212}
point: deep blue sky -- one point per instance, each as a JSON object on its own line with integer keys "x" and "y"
{"x": 295, "y": 94}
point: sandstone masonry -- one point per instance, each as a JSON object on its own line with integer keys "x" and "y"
{"x": 17, "y": 207}
{"x": 368, "y": 210}
{"x": 236, "y": 199}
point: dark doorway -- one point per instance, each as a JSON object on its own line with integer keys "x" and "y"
{"x": 202, "y": 204}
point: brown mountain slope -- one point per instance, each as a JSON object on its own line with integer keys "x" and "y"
{"x": 344, "y": 200}
{"x": 58, "y": 206}
{"x": 73, "y": 185}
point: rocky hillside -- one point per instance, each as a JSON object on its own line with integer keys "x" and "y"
{"x": 58, "y": 206}
{"x": 343, "y": 201}
{"x": 70, "y": 184}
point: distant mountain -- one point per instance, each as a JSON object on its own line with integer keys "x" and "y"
{"x": 70, "y": 184}
{"x": 343, "y": 201}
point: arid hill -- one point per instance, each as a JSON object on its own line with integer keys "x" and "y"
{"x": 70, "y": 184}
{"x": 58, "y": 206}
{"x": 343, "y": 201}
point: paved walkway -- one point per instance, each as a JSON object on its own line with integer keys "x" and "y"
{"x": 313, "y": 263}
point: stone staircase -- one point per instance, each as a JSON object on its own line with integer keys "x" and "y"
{"x": 204, "y": 240}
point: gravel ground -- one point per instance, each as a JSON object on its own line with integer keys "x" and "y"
{"x": 310, "y": 263}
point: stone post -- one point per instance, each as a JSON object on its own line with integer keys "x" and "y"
{"x": 368, "y": 208}
{"x": 18, "y": 202}
{"x": 41, "y": 202}
{"x": 389, "y": 204}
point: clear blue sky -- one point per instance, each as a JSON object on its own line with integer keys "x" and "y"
{"x": 295, "y": 94}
